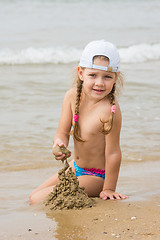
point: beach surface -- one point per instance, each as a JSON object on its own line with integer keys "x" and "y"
{"x": 137, "y": 217}
{"x": 124, "y": 219}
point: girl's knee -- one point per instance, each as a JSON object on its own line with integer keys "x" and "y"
{"x": 38, "y": 196}
{"x": 33, "y": 198}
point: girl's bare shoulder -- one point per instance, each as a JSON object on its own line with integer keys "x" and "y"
{"x": 70, "y": 97}
{"x": 106, "y": 110}
{"x": 70, "y": 94}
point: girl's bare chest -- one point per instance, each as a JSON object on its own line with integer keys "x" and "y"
{"x": 90, "y": 123}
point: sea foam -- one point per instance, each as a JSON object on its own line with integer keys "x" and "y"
{"x": 140, "y": 53}
{"x": 56, "y": 55}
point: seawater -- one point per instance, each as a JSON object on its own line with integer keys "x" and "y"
{"x": 40, "y": 45}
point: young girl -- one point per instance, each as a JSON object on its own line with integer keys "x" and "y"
{"x": 93, "y": 111}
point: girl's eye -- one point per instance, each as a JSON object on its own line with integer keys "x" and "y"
{"x": 92, "y": 75}
{"x": 108, "y": 76}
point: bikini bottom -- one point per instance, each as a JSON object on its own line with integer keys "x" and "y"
{"x": 88, "y": 171}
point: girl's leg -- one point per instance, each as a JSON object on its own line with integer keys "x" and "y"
{"x": 40, "y": 193}
{"x": 93, "y": 185}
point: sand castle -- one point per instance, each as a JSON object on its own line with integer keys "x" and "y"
{"x": 67, "y": 194}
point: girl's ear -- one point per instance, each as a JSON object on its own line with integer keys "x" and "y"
{"x": 80, "y": 73}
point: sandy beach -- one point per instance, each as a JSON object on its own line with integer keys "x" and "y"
{"x": 137, "y": 217}
{"x": 124, "y": 219}
{"x": 111, "y": 220}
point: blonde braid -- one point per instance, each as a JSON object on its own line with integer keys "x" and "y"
{"x": 76, "y": 129}
{"x": 109, "y": 122}
{"x": 111, "y": 95}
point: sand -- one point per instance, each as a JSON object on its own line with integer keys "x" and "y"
{"x": 136, "y": 218}
{"x": 117, "y": 219}
{"x": 122, "y": 219}
{"x": 110, "y": 219}
{"x": 67, "y": 194}
{"x": 62, "y": 149}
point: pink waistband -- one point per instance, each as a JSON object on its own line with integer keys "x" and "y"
{"x": 95, "y": 170}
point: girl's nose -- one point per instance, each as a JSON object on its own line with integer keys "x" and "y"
{"x": 99, "y": 82}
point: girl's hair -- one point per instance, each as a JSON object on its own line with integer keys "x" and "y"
{"x": 76, "y": 129}
{"x": 115, "y": 91}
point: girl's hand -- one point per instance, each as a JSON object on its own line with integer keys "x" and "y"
{"x": 109, "y": 194}
{"x": 59, "y": 155}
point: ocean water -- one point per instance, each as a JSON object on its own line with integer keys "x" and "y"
{"x": 40, "y": 45}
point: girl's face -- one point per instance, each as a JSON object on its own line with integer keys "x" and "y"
{"x": 97, "y": 83}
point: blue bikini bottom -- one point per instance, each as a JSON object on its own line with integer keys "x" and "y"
{"x": 88, "y": 171}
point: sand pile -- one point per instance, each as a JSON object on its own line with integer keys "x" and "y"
{"x": 67, "y": 194}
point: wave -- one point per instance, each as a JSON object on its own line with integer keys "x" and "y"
{"x": 132, "y": 54}
{"x": 140, "y": 53}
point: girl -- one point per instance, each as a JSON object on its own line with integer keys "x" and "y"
{"x": 93, "y": 111}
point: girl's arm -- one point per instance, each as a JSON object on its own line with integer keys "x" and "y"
{"x": 113, "y": 159}
{"x": 63, "y": 132}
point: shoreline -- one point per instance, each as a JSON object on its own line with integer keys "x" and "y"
{"x": 135, "y": 218}
{"x": 122, "y": 219}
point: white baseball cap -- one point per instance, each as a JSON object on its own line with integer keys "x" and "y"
{"x": 102, "y": 48}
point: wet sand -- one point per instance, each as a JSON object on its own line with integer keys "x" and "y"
{"x": 112, "y": 220}
{"x": 67, "y": 194}
{"x": 135, "y": 218}
{"x": 124, "y": 219}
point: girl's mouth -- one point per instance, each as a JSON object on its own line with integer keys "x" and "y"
{"x": 98, "y": 90}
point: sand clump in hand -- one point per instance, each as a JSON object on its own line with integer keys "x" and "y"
{"x": 62, "y": 149}
{"x": 67, "y": 194}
